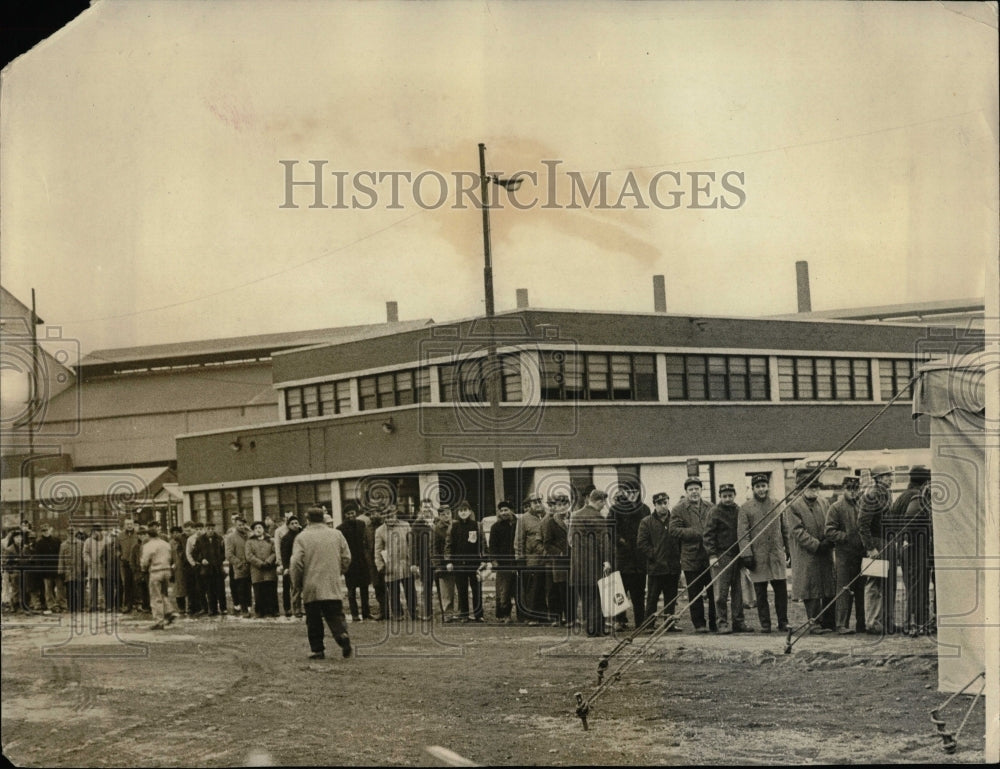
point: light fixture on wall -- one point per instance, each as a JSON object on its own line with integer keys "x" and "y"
{"x": 389, "y": 427}
{"x": 236, "y": 445}
{"x": 700, "y": 323}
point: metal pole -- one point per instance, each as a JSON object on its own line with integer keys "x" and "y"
{"x": 493, "y": 372}
{"x": 32, "y": 404}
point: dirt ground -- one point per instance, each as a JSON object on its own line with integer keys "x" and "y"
{"x": 235, "y": 692}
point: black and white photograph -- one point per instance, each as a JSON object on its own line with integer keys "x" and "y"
{"x": 499, "y": 383}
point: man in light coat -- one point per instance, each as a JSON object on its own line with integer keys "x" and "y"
{"x": 530, "y": 554}
{"x": 813, "y": 580}
{"x": 156, "y": 559}
{"x": 392, "y": 559}
{"x": 320, "y": 556}
{"x": 761, "y": 522}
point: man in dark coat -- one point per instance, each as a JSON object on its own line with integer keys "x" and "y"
{"x": 627, "y": 512}
{"x": 662, "y": 553}
{"x": 464, "y": 557}
{"x": 813, "y": 580}
{"x": 876, "y": 501}
{"x": 842, "y": 529}
{"x": 590, "y": 554}
{"x": 444, "y": 580}
{"x": 917, "y": 551}
{"x": 47, "y": 548}
{"x": 210, "y": 554}
{"x": 421, "y": 557}
{"x": 293, "y": 528}
{"x": 127, "y": 540}
{"x": 687, "y": 523}
{"x": 501, "y": 552}
{"x": 358, "y": 574}
{"x": 721, "y": 538}
{"x": 555, "y": 541}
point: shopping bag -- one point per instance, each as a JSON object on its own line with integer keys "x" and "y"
{"x": 875, "y": 567}
{"x": 613, "y": 598}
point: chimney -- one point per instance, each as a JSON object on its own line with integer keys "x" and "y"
{"x": 802, "y": 283}
{"x": 659, "y": 294}
{"x": 522, "y": 298}
{"x": 391, "y": 312}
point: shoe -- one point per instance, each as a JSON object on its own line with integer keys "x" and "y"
{"x": 724, "y": 629}
{"x": 702, "y": 629}
{"x": 299, "y": 615}
{"x": 674, "y": 629}
{"x": 317, "y": 656}
{"x": 481, "y": 619}
{"x": 157, "y": 626}
{"x": 765, "y": 628}
{"x": 533, "y": 623}
{"x": 820, "y": 631}
{"x": 170, "y": 618}
{"x": 782, "y": 627}
{"x": 742, "y": 629}
{"x": 844, "y": 631}
{"x": 47, "y": 612}
{"x": 345, "y": 646}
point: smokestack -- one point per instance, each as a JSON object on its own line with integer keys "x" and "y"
{"x": 391, "y": 312}
{"x": 522, "y": 298}
{"x": 659, "y": 294}
{"x": 802, "y": 282}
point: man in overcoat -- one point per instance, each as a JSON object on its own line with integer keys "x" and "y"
{"x": 813, "y": 580}
{"x": 687, "y": 523}
{"x": 764, "y": 550}
{"x": 590, "y": 556}
{"x": 842, "y": 528}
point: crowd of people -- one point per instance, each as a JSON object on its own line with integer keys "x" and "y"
{"x": 546, "y": 561}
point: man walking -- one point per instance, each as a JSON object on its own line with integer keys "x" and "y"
{"x": 157, "y": 561}
{"x": 687, "y": 523}
{"x": 320, "y": 556}
{"x": 761, "y": 522}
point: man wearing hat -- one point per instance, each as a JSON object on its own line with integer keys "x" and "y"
{"x": 917, "y": 549}
{"x": 842, "y": 529}
{"x": 763, "y": 549}
{"x": 555, "y": 540}
{"x": 444, "y": 580}
{"x": 687, "y": 523}
{"x": 501, "y": 553}
{"x": 721, "y": 543}
{"x": 876, "y": 502}
{"x": 662, "y": 552}
{"x": 813, "y": 580}
{"x": 627, "y": 512}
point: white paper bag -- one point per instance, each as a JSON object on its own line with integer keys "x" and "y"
{"x": 874, "y": 567}
{"x": 613, "y": 598}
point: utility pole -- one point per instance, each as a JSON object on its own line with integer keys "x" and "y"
{"x": 492, "y": 366}
{"x": 32, "y": 405}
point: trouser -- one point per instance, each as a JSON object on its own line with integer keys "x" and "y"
{"x": 378, "y": 582}
{"x": 215, "y": 589}
{"x": 392, "y": 608}
{"x": 446, "y": 591}
{"x": 112, "y": 592}
{"x": 815, "y": 611}
{"x": 240, "y": 588}
{"x": 129, "y": 598}
{"x": 426, "y": 593}
{"x": 891, "y": 555}
{"x": 635, "y": 588}
{"x": 466, "y": 582}
{"x": 192, "y": 586}
{"x": 590, "y": 606}
{"x": 506, "y": 585}
{"x": 160, "y": 602}
{"x": 96, "y": 593}
{"x": 874, "y": 590}
{"x": 355, "y": 586}
{"x": 557, "y": 597}
{"x": 265, "y": 598}
{"x": 917, "y": 578}
{"x": 848, "y": 568}
{"x": 141, "y": 591}
{"x": 780, "y": 588}
{"x": 665, "y": 585}
{"x": 332, "y": 612}
{"x": 697, "y": 580}
{"x": 290, "y": 599}
{"x": 75, "y": 595}
{"x": 727, "y": 574}
{"x": 55, "y": 599}
{"x": 535, "y": 587}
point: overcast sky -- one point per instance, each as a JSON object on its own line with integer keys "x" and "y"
{"x": 142, "y": 187}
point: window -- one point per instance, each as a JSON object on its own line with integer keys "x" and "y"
{"x": 824, "y": 379}
{"x": 318, "y": 400}
{"x": 598, "y": 376}
{"x": 394, "y": 388}
{"x": 298, "y": 497}
{"x": 467, "y": 380}
{"x": 894, "y": 377}
{"x": 717, "y": 378}
{"x": 219, "y": 506}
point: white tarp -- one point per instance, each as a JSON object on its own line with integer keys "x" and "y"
{"x": 952, "y": 397}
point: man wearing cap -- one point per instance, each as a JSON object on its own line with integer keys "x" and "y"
{"x": 662, "y": 553}
{"x": 627, "y": 512}
{"x": 320, "y": 556}
{"x": 721, "y": 543}
{"x": 127, "y": 541}
{"x": 392, "y": 559}
{"x": 917, "y": 550}
{"x": 93, "y": 559}
{"x": 501, "y": 553}
{"x": 813, "y": 580}
{"x": 195, "y": 588}
{"x": 842, "y": 529}
{"x": 555, "y": 540}
{"x": 763, "y": 549}
{"x": 876, "y": 502}
{"x": 687, "y": 523}
{"x": 358, "y": 574}
{"x": 47, "y": 552}
{"x": 239, "y": 568}
{"x": 421, "y": 548}
{"x": 156, "y": 561}
{"x": 279, "y": 534}
{"x": 531, "y": 555}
